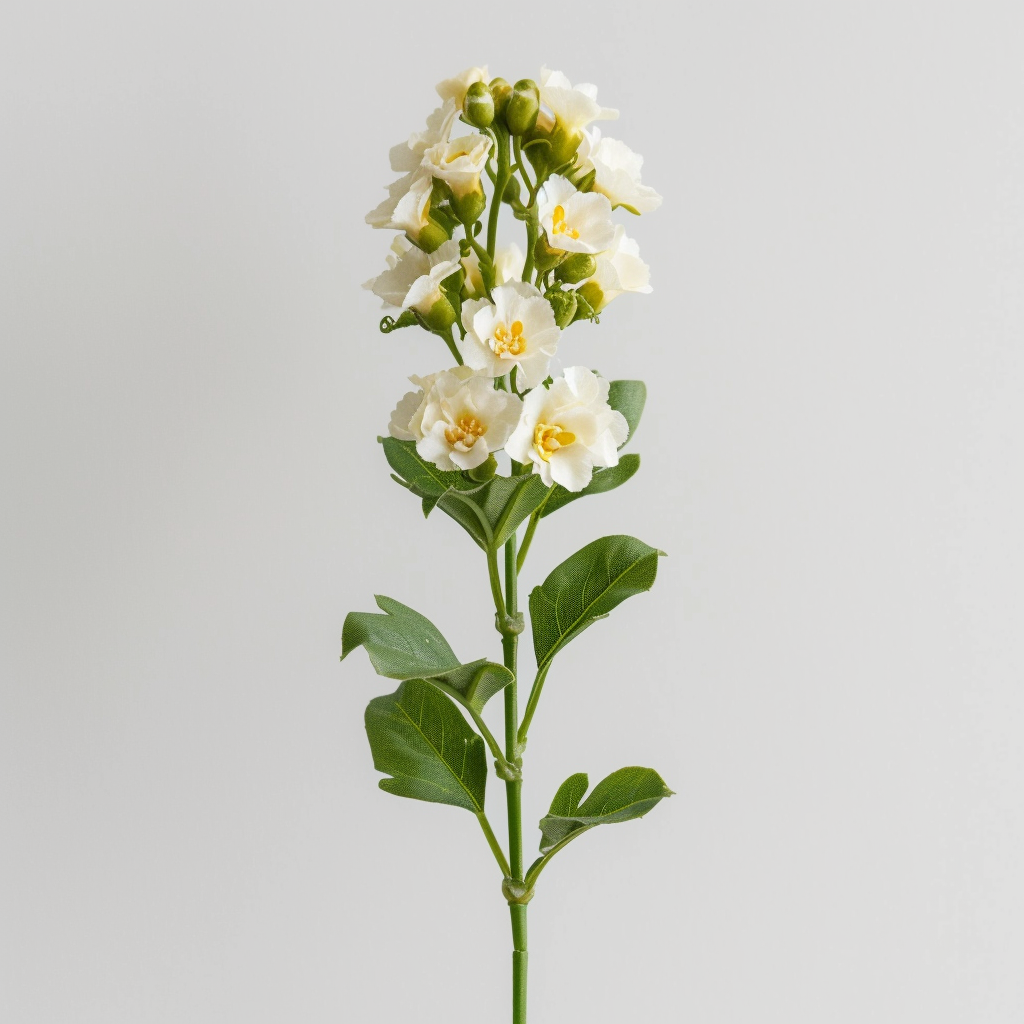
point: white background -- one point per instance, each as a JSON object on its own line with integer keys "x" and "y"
{"x": 829, "y": 671}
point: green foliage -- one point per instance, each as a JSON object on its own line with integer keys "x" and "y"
{"x": 402, "y": 644}
{"x": 628, "y": 397}
{"x": 626, "y": 794}
{"x": 586, "y": 587}
{"x": 603, "y": 480}
{"x": 418, "y": 737}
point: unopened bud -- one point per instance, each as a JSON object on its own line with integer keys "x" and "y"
{"x": 500, "y": 92}
{"x": 431, "y": 236}
{"x": 478, "y": 106}
{"x": 523, "y": 107}
{"x": 577, "y": 267}
{"x": 440, "y": 316}
{"x": 563, "y": 305}
{"x": 482, "y": 473}
{"x": 469, "y": 207}
{"x": 589, "y": 300}
{"x": 511, "y": 193}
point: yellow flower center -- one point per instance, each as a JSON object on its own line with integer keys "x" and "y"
{"x": 548, "y": 439}
{"x": 559, "y": 226}
{"x": 509, "y": 341}
{"x": 465, "y": 431}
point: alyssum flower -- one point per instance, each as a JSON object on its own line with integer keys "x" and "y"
{"x": 619, "y": 269}
{"x": 517, "y": 328}
{"x": 456, "y": 418}
{"x": 574, "y": 221}
{"x": 568, "y": 429}
{"x": 413, "y": 281}
{"x": 616, "y": 172}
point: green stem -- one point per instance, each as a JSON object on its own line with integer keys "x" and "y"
{"x": 449, "y": 340}
{"x": 542, "y": 862}
{"x": 492, "y": 842}
{"x": 531, "y": 529}
{"x": 489, "y": 739}
{"x": 499, "y": 601}
{"x": 504, "y": 173}
{"x": 531, "y": 704}
{"x": 520, "y": 958}
{"x": 517, "y": 148}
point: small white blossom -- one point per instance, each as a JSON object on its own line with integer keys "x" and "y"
{"x": 568, "y": 429}
{"x": 408, "y": 206}
{"x": 575, "y": 221}
{"x": 616, "y": 172}
{"x": 517, "y": 329}
{"x": 459, "y": 162}
{"x": 455, "y": 88}
{"x": 572, "y": 107}
{"x": 619, "y": 270}
{"x": 508, "y": 266}
{"x": 407, "y": 156}
{"x": 456, "y": 418}
{"x": 413, "y": 278}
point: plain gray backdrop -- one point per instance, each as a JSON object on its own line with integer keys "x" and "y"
{"x": 829, "y": 671}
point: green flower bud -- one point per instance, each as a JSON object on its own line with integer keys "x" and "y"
{"x": 563, "y": 305}
{"x": 523, "y": 107}
{"x": 544, "y": 257}
{"x": 590, "y": 300}
{"x": 482, "y": 473}
{"x": 478, "y": 107}
{"x": 577, "y": 267}
{"x": 440, "y": 316}
{"x": 469, "y": 207}
{"x": 511, "y": 193}
{"x": 432, "y": 235}
{"x": 500, "y": 91}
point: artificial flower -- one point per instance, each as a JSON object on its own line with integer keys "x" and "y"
{"x": 455, "y": 88}
{"x": 413, "y": 278}
{"x": 517, "y": 328}
{"x": 456, "y": 418}
{"x": 575, "y": 221}
{"x": 407, "y": 208}
{"x": 459, "y": 162}
{"x": 571, "y": 107}
{"x": 619, "y": 270}
{"x": 407, "y": 156}
{"x": 508, "y": 266}
{"x": 568, "y": 429}
{"x": 616, "y": 172}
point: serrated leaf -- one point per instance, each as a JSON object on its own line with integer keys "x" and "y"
{"x": 500, "y": 506}
{"x": 419, "y": 738}
{"x": 629, "y": 398}
{"x": 626, "y": 794}
{"x": 403, "y": 644}
{"x": 586, "y": 587}
{"x": 603, "y": 480}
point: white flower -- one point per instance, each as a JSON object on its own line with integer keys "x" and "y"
{"x": 456, "y": 418}
{"x": 517, "y": 329}
{"x": 508, "y": 266}
{"x": 455, "y": 88}
{"x": 407, "y": 156}
{"x": 408, "y": 206}
{"x": 459, "y": 162}
{"x": 575, "y": 221}
{"x": 619, "y": 270}
{"x": 572, "y": 107}
{"x": 568, "y": 429}
{"x": 617, "y": 172}
{"x": 413, "y": 278}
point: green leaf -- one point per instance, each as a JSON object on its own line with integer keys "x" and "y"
{"x": 422, "y": 477}
{"x": 602, "y": 481}
{"x": 402, "y": 644}
{"x": 626, "y": 794}
{"x": 418, "y": 737}
{"x": 586, "y": 587}
{"x": 628, "y": 397}
{"x": 499, "y": 507}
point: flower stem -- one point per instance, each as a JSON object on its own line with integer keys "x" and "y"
{"x": 531, "y": 704}
{"x": 503, "y": 174}
{"x": 492, "y": 842}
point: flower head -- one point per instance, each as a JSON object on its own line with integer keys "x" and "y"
{"x": 575, "y": 221}
{"x": 508, "y": 266}
{"x": 571, "y": 107}
{"x": 407, "y": 156}
{"x": 455, "y": 88}
{"x": 413, "y": 278}
{"x": 619, "y": 270}
{"x": 459, "y": 162}
{"x": 616, "y": 172}
{"x": 456, "y": 418}
{"x": 568, "y": 429}
{"x": 517, "y": 328}
{"x": 407, "y": 207}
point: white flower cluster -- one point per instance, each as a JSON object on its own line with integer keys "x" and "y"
{"x": 509, "y": 307}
